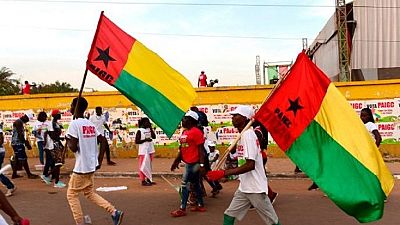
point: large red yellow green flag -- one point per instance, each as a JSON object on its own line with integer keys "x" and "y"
{"x": 321, "y": 133}
{"x": 141, "y": 75}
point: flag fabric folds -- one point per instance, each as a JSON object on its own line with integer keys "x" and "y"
{"x": 321, "y": 133}
{"x": 141, "y": 75}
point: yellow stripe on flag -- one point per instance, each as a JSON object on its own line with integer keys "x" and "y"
{"x": 336, "y": 116}
{"x": 151, "y": 69}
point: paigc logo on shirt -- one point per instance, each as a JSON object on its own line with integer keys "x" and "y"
{"x": 183, "y": 140}
{"x": 240, "y": 150}
{"x": 88, "y": 131}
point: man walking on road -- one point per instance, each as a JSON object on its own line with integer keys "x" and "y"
{"x": 252, "y": 189}
{"x": 82, "y": 138}
{"x": 18, "y": 143}
{"x": 100, "y": 122}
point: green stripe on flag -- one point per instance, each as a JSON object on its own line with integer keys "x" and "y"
{"x": 342, "y": 177}
{"x": 151, "y": 102}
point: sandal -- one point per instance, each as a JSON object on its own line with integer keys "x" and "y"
{"x": 178, "y": 213}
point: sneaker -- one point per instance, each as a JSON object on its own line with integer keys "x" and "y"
{"x": 198, "y": 209}
{"x": 59, "y": 184}
{"x": 149, "y": 181}
{"x": 10, "y": 191}
{"x": 178, "y": 213}
{"x": 45, "y": 179}
{"x": 117, "y": 217}
{"x": 145, "y": 183}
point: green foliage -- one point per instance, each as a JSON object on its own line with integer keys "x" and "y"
{"x": 56, "y": 87}
{"x": 8, "y": 86}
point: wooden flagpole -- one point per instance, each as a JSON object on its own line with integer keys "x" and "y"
{"x": 86, "y": 70}
{"x": 233, "y": 144}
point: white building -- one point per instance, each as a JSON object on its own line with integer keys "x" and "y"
{"x": 374, "y": 43}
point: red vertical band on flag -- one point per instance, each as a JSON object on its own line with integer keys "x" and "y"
{"x": 294, "y": 104}
{"x": 110, "y": 51}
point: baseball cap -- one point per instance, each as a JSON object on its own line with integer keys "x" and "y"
{"x": 29, "y": 115}
{"x": 210, "y": 143}
{"x": 192, "y": 114}
{"x": 243, "y": 110}
{"x": 55, "y": 112}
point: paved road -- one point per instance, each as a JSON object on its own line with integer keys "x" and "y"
{"x": 151, "y": 205}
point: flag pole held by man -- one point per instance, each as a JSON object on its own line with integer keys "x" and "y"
{"x": 313, "y": 123}
{"x": 140, "y": 75}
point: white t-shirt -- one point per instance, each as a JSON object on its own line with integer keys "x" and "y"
{"x": 255, "y": 180}
{"x": 371, "y": 127}
{"x": 148, "y": 146}
{"x": 43, "y": 126}
{"x": 49, "y": 142}
{"x": 86, "y": 156}
{"x": 2, "y": 149}
{"x": 99, "y": 122}
{"x": 211, "y": 156}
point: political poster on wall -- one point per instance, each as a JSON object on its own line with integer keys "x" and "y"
{"x": 123, "y": 122}
{"x": 386, "y": 113}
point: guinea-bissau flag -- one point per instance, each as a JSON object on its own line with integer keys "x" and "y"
{"x": 319, "y": 131}
{"x": 141, "y": 75}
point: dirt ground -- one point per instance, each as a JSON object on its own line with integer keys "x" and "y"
{"x": 295, "y": 205}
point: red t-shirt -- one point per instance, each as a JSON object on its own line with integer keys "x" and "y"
{"x": 27, "y": 89}
{"x": 203, "y": 80}
{"x": 190, "y": 141}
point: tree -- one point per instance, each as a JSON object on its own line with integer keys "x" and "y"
{"x": 8, "y": 86}
{"x": 56, "y": 87}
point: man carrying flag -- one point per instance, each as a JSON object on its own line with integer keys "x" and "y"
{"x": 253, "y": 185}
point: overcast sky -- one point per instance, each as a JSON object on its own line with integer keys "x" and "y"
{"x": 45, "y": 41}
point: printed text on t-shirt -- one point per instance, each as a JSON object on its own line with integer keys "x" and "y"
{"x": 88, "y": 131}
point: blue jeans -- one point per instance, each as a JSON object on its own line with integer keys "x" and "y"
{"x": 50, "y": 164}
{"x": 19, "y": 152}
{"x": 3, "y": 179}
{"x": 40, "y": 148}
{"x": 191, "y": 175}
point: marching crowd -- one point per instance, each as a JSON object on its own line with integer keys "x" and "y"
{"x": 246, "y": 160}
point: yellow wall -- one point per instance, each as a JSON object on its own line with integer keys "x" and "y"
{"x": 360, "y": 90}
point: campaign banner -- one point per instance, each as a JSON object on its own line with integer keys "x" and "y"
{"x": 382, "y": 109}
{"x": 357, "y": 106}
{"x": 123, "y": 122}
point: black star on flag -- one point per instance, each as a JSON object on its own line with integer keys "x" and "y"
{"x": 104, "y": 55}
{"x": 294, "y": 106}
